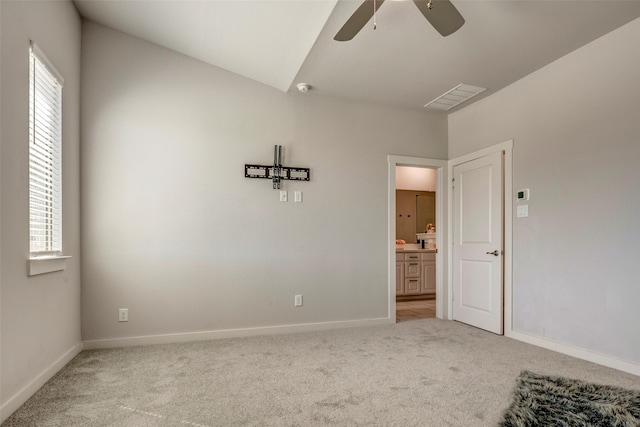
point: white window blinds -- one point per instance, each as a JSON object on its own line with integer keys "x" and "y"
{"x": 45, "y": 155}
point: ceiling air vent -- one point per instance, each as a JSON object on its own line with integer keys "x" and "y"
{"x": 454, "y": 97}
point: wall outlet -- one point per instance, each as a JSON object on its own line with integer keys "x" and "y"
{"x": 297, "y": 302}
{"x": 123, "y": 315}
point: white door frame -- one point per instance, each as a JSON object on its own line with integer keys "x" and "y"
{"x": 443, "y": 302}
{"x": 507, "y": 147}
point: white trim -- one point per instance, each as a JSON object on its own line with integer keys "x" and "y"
{"x": 52, "y": 69}
{"x": 508, "y": 236}
{"x": 578, "y": 352}
{"x": 18, "y": 399}
{"x": 507, "y": 147}
{"x": 231, "y": 333}
{"x": 442, "y": 178}
{"x": 47, "y": 264}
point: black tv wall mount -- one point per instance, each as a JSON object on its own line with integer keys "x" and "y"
{"x": 277, "y": 172}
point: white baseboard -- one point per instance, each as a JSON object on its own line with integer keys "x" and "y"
{"x": 577, "y": 352}
{"x": 18, "y": 399}
{"x": 230, "y": 333}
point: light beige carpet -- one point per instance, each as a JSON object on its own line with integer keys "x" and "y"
{"x": 420, "y": 373}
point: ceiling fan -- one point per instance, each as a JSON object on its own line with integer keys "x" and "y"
{"x": 442, "y": 14}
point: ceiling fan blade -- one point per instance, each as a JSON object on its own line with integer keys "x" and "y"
{"x": 443, "y": 15}
{"x": 359, "y": 19}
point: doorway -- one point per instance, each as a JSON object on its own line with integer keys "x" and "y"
{"x": 443, "y": 211}
{"x": 416, "y": 225}
{"x": 437, "y": 266}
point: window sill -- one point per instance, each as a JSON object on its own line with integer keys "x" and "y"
{"x": 47, "y": 264}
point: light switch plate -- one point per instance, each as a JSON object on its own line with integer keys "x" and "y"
{"x": 297, "y": 196}
{"x": 283, "y": 195}
{"x": 522, "y": 211}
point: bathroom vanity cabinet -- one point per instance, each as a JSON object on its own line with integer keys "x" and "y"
{"x": 415, "y": 272}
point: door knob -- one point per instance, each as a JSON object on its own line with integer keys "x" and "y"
{"x": 494, "y": 253}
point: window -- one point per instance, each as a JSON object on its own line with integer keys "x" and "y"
{"x": 45, "y": 156}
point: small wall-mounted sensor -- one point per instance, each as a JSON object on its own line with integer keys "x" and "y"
{"x": 522, "y": 195}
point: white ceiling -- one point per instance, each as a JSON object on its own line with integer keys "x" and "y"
{"x": 404, "y": 62}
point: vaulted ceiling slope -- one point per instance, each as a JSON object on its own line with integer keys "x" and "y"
{"x": 404, "y": 62}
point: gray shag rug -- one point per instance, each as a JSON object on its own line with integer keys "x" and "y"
{"x": 541, "y": 400}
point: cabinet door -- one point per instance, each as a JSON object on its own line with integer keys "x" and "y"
{"x": 428, "y": 277}
{"x": 412, "y": 286}
{"x": 399, "y": 278}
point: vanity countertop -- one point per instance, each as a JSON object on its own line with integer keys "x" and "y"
{"x": 414, "y": 248}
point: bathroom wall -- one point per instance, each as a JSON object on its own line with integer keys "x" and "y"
{"x": 415, "y": 178}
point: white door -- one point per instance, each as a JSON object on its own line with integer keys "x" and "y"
{"x": 478, "y": 242}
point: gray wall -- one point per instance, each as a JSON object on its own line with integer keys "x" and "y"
{"x": 40, "y": 315}
{"x": 173, "y": 231}
{"x": 576, "y": 131}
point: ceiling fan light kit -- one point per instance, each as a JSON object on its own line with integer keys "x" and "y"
{"x": 441, "y": 14}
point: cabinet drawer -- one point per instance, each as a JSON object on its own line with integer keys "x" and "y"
{"x": 412, "y": 269}
{"x": 412, "y": 286}
{"x": 399, "y": 257}
{"x": 413, "y": 256}
{"x": 417, "y": 256}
